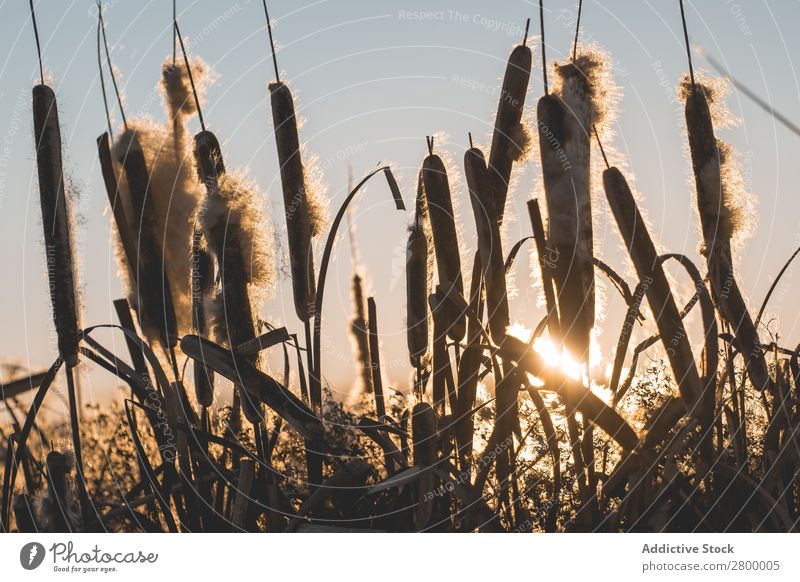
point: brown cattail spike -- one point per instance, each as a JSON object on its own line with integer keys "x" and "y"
{"x": 56, "y": 222}
{"x": 510, "y": 138}
{"x": 445, "y": 238}
{"x": 418, "y": 285}
{"x": 651, "y": 274}
{"x": 297, "y": 209}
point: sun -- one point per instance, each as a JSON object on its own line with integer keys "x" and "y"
{"x": 557, "y": 357}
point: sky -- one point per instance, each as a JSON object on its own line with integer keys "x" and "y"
{"x": 371, "y": 80}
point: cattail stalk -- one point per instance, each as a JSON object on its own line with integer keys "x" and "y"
{"x": 656, "y": 288}
{"x": 487, "y": 223}
{"x": 418, "y": 282}
{"x": 718, "y": 225}
{"x": 295, "y": 199}
{"x": 510, "y": 139}
{"x": 564, "y": 123}
{"x": 55, "y": 222}
{"x": 58, "y": 249}
{"x": 153, "y": 299}
{"x": 445, "y": 237}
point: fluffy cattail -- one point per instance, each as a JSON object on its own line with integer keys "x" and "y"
{"x": 173, "y": 185}
{"x": 237, "y": 237}
{"x": 445, "y": 237}
{"x": 418, "y": 283}
{"x": 151, "y": 295}
{"x": 722, "y": 206}
{"x": 300, "y": 219}
{"x": 565, "y": 121}
{"x": 510, "y": 140}
{"x": 651, "y": 274}
{"x": 55, "y": 222}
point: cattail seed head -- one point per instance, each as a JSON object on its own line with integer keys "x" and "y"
{"x": 445, "y": 237}
{"x": 300, "y": 217}
{"x": 418, "y": 280}
{"x": 511, "y": 138}
{"x": 56, "y": 222}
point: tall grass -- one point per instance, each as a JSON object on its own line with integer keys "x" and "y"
{"x": 500, "y": 429}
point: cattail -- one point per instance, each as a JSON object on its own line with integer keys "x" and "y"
{"x": 723, "y": 212}
{"x": 510, "y": 140}
{"x": 56, "y": 222}
{"x": 565, "y": 120}
{"x": 210, "y": 166}
{"x": 236, "y": 236}
{"x": 445, "y": 237}
{"x": 300, "y": 222}
{"x": 358, "y": 331}
{"x": 651, "y": 274}
{"x": 125, "y": 247}
{"x": 487, "y": 219}
{"x": 418, "y": 284}
{"x": 151, "y": 296}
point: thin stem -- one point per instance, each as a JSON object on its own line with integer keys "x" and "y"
{"x": 470, "y": 139}
{"x": 429, "y": 141}
{"x": 309, "y": 351}
{"x": 602, "y": 151}
{"x": 527, "y": 27}
{"x": 316, "y": 375}
{"x": 271, "y": 43}
{"x": 785, "y": 121}
{"x": 191, "y": 79}
{"x": 577, "y": 30}
{"x": 544, "y": 57}
{"x": 110, "y": 67}
{"x": 102, "y": 78}
{"x": 38, "y": 46}
{"x": 174, "y": 34}
{"x": 686, "y": 38}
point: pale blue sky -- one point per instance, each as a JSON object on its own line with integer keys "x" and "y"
{"x": 371, "y": 80}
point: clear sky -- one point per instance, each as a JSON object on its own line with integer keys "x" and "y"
{"x": 372, "y": 79}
